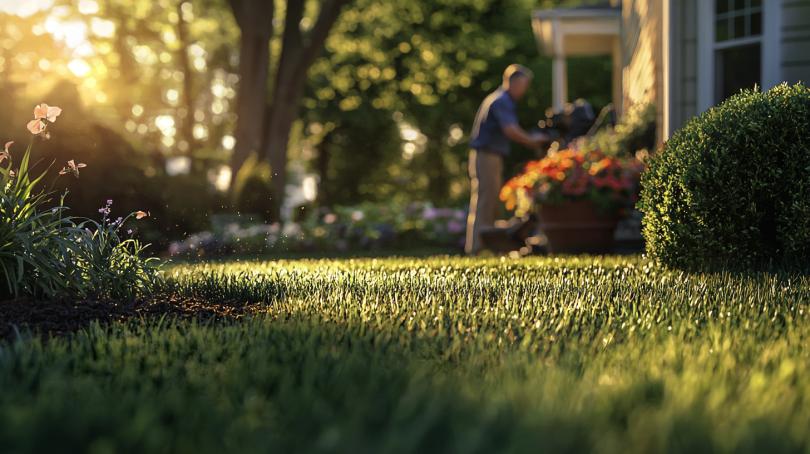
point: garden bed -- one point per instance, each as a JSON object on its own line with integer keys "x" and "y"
{"x": 59, "y": 318}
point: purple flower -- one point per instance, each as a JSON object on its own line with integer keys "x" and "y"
{"x": 430, "y": 213}
{"x": 454, "y": 226}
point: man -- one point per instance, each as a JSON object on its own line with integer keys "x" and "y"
{"x": 495, "y": 127}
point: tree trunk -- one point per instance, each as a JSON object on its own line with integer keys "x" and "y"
{"x": 255, "y": 20}
{"x": 282, "y": 114}
{"x": 297, "y": 54}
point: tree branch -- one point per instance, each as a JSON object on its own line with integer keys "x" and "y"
{"x": 330, "y": 10}
{"x": 236, "y": 7}
{"x": 291, "y": 41}
{"x": 253, "y": 16}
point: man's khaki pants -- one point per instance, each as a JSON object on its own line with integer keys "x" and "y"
{"x": 485, "y": 169}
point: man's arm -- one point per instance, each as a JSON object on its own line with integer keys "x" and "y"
{"x": 516, "y": 134}
{"x": 507, "y": 119}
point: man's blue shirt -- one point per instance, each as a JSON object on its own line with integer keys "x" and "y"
{"x": 496, "y": 112}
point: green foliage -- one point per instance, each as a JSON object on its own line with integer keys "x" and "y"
{"x": 437, "y": 355}
{"x": 635, "y": 131}
{"x": 32, "y": 252}
{"x": 731, "y": 187}
{"x": 47, "y": 254}
{"x": 355, "y": 157}
{"x": 108, "y": 264}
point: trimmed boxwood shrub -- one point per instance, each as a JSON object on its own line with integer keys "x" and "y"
{"x": 731, "y": 189}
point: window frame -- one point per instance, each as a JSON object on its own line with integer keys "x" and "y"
{"x": 770, "y": 70}
{"x": 747, "y": 11}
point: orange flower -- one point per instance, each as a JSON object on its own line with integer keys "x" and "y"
{"x": 46, "y": 112}
{"x": 141, "y": 214}
{"x": 600, "y": 165}
{"x": 570, "y": 173}
{"x": 566, "y": 163}
{"x": 73, "y": 168}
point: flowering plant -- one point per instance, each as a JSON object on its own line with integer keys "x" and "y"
{"x": 44, "y": 252}
{"x": 609, "y": 182}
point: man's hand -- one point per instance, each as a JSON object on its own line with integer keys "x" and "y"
{"x": 534, "y": 141}
{"x": 541, "y": 139}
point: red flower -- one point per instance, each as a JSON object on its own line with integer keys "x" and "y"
{"x": 570, "y": 174}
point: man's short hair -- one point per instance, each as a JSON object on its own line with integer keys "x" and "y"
{"x": 514, "y": 71}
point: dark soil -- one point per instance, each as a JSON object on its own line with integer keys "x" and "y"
{"x": 52, "y": 318}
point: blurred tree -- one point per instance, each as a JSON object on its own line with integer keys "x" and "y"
{"x": 25, "y": 51}
{"x": 301, "y": 42}
{"x": 157, "y": 68}
{"x": 255, "y": 21}
{"x": 354, "y": 157}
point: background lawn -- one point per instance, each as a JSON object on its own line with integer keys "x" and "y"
{"x": 430, "y": 355}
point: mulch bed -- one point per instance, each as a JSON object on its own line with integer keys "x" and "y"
{"x": 58, "y": 318}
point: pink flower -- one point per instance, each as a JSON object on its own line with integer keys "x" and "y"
{"x": 73, "y": 168}
{"x": 141, "y": 214}
{"x": 36, "y": 127}
{"x": 44, "y": 111}
{"x": 5, "y": 153}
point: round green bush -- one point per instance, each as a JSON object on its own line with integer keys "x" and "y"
{"x": 731, "y": 189}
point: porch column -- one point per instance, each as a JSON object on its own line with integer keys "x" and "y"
{"x": 618, "y": 94}
{"x": 559, "y": 82}
{"x": 559, "y": 73}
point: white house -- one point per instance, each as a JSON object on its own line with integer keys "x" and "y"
{"x": 683, "y": 55}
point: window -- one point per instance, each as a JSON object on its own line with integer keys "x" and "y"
{"x": 737, "y": 46}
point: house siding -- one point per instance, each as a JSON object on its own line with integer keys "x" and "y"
{"x": 795, "y": 41}
{"x": 642, "y": 68}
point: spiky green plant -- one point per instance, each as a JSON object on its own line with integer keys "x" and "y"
{"x": 33, "y": 256}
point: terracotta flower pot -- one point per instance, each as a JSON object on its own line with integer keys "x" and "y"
{"x": 577, "y": 227}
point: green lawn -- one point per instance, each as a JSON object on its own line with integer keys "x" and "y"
{"x": 431, "y": 355}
